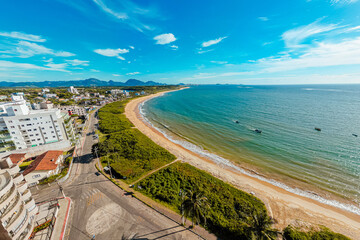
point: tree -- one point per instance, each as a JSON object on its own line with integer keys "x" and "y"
{"x": 259, "y": 225}
{"x": 194, "y": 205}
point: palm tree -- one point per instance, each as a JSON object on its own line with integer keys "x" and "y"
{"x": 259, "y": 225}
{"x": 194, "y": 205}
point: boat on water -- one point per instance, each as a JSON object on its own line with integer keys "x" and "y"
{"x": 236, "y": 121}
{"x": 355, "y": 135}
{"x": 318, "y": 129}
{"x": 258, "y": 131}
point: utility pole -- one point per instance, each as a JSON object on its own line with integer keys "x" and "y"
{"x": 60, "y": 188}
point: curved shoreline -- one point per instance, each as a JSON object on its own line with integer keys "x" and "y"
{"x": 286, "y": 207}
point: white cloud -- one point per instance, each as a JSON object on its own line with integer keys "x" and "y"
{"x": 201, "y": 51}
{"x": 165, "y": 38}
{"x": 112, "y": 52}
{"x": 212, "y": 42}
{"x": 94, "y": 70}
{"x": 119, "y": 15}
{"x": 294, "y": 37}
{"x": 133, "y": 73}
{"x": 26, "y": 49}
{"x": 264, "y": 19}
{"x": 77, "y": 62}
{"x": 323, "y": 54}
{"x": 343, "y": 1}
{"x": 174, "y": 47}
{"x": 8, "y": 65}
{"x": 116, "y": 75}
{"x": 23, "y": 36}
{"x": 57, "y": 66}
{"x": 132, "y": 47}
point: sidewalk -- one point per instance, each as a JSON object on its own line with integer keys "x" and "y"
{"x": 62, "y": 218}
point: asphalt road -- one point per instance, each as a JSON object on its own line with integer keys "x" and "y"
{"x": 102, "y": 209}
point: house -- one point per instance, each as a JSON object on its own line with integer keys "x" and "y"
{"x": 17, "y": 158}
{"x": 44, "y": 166}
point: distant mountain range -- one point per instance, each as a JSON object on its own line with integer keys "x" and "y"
{"x": 91, "y": 82}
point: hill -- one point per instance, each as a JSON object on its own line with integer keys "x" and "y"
{"x": 90, "y": 82}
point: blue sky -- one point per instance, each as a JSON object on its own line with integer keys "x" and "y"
{"x": 228, "y": 41}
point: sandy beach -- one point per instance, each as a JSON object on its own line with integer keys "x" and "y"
{"x": 285, "y": 207}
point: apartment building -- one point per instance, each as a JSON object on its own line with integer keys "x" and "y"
{"x": 17, "y": 207}
{"x": 21, "y": 128}
{"x": 73, "y": 90}
{"x": 73, "y": 110}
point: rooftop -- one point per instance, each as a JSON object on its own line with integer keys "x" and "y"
{"x": 17, "y": 157}
{"x": 44, "y": 162}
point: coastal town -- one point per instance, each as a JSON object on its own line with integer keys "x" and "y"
{"x": 42, "y": 132}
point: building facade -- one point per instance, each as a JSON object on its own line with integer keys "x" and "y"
{"x": 73, "y": 110}
{"x": 21, "y": 128}
{"x": 17, "y": 207}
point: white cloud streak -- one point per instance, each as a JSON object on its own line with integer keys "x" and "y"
{"x": 133, "y": 73}
{"x": 165, "y": 38}
{"x": 77, "y": 62}
{"x": 23, "y": 36}
{"x": 212, "y": 42}
{"x": 324, "y": 54}
{"x": 294, "y": 37}
{"x": 112, "y": 52}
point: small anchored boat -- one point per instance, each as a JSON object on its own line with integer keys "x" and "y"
{"x": 258, "y": 131}
{"x": 236, "y": 121}
{"x": 318, "y": 129}
{"x": 355, "y": 135}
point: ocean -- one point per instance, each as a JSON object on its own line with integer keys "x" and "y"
{"x": 219, "y": 122}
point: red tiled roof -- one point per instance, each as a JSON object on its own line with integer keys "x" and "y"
{"x": 17, "y": 157}
{"x": 44, "y": 162}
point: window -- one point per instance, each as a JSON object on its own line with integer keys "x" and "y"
{"x": 50, "y": 126}
{"x": 29, "y": 130}
{"x": 46, "y": 137}
{"x": 12, "y": 126}
{"x": 35, "y": 118}
{"x": 10, "y": 121}
{"x": 52, "y": 131}
{"x": 34, "y": 129}
{"x": 12, "y": 132}
{"x": 31, "y": 135}
{"x": 54, "y": 136}
{"x": 38, "y": 139}
{"x": 36, "y": 176}
{"x": 37, "y": 134}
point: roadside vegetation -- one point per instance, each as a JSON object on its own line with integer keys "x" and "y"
{"x": 292, "y": 233}
{"x": 130, "y": 153}
{"x": 230, "y": 212}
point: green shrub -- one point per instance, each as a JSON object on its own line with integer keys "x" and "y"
{"x": 292, "y": 233}
{"x": 229, "y": 207}
{"x": 131, "y": 153}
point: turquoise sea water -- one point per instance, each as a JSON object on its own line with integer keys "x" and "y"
{"x": 203, "y": 119}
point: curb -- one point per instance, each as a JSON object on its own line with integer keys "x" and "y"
{"x": 66, "y": 217}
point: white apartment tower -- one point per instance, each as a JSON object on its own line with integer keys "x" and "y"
{"x": 17, "y": 207}
{"x": 21, "y": 128}
{"x": 73, "y": 90}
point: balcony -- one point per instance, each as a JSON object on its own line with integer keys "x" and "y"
{"x": 18, "y": 178}
{"x": 24, "y": 235}
{"x": 13, "y": 170}
{"x": 5, "y": 180}
{"x": 20, "y": 226}
{"x": 4, "y": 200}
{"x": 17, "y": 217}
{"x": 22, "y": 186}
{"x": 11, "y": 210}
{"x": 26, "y": 194}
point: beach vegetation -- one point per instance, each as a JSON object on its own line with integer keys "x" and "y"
{"x": 130, "y": 153}
{"x": 194, "y": 205}
{"x": 230, "y": 211}
{"x": 293, "y": 233}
